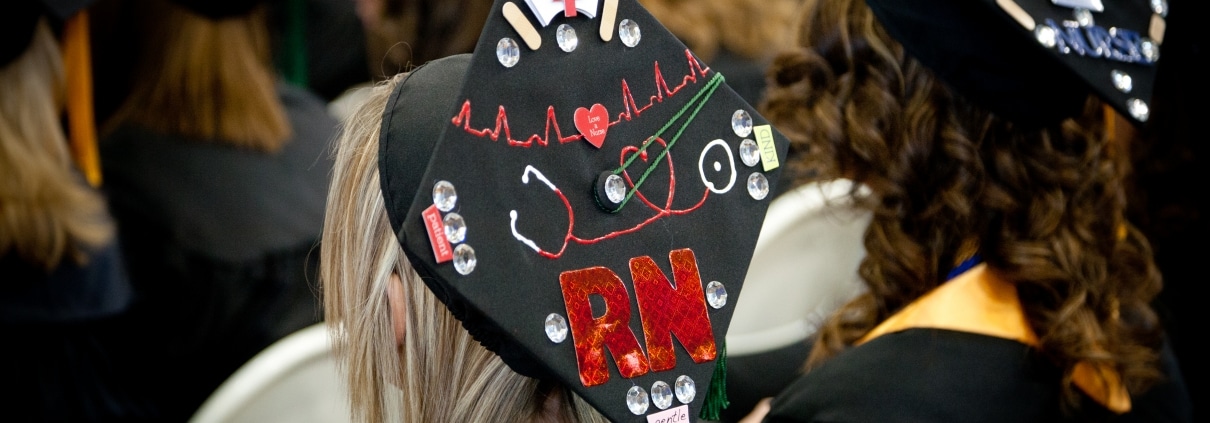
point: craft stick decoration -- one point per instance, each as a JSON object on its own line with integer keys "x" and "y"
{"x": 584, "y": 194}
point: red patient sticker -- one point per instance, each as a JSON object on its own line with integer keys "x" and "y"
{"x": 436, "y": 229}
{"x": 674, "y": 415}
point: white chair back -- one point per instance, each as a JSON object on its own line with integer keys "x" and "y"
{"x": 294, "y": 380}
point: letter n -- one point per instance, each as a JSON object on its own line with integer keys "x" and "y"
{"x": 667, "y": 310}
{"x": 611, "y": 330}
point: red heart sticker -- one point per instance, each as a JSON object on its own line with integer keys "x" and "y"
{"x": 593, "y": 124}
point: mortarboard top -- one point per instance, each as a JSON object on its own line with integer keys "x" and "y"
{"x": 588, "y": 209}
{"x": 18, "y": 20}
{"x": 1035, "y": 61}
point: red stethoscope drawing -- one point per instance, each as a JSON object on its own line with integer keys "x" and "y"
{"x": 660, "y": 211}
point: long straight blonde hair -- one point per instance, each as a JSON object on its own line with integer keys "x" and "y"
{"x": 210, "y": 80}
{"x": 439, "y": 373}
{"x": 47, "y": 211}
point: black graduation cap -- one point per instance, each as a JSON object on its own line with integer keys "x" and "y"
{"x": 584, "y": 194}
{"x": 19, "y": 18}
{"x": 1035, "y": 61}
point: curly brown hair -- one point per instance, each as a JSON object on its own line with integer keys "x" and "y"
{"x": 1043, "y": 207}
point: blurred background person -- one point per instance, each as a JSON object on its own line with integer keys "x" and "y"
{"x": 317, "y": 45}
{"x": 63, "y": 288}
{"x": 216, "y": 171}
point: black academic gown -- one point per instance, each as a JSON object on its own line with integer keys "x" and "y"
{"x": 222, "y": 246}
{"x": 937, "y": 375}
{"x": 962, "y": 353}
{"x": 64, "y": 353}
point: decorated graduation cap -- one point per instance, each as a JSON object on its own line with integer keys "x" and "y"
{"x": 19, "y": 18}
{"x": 584, "y": 194}
{"x": 1035, "y": 61}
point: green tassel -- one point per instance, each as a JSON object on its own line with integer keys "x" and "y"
{"x": 292, "y": 59}
{"x": 716, "y": 395}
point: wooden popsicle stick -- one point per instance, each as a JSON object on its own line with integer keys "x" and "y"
{"x": 608, "y": 14}
{"x": 521, "y": 24}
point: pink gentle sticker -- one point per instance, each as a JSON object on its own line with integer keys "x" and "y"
{"x": 436, "y": 229}
{"x": 672, "y": 415}
{"x": 593, "y": 124}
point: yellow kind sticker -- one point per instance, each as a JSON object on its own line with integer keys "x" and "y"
{"x": 768, "y": 149}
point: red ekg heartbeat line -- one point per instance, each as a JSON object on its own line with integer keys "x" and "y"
{"x": 630, "y": 107}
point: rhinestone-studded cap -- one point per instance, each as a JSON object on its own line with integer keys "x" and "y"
{"x": 1034, "y": 61}
{"x": 606, "y": 195}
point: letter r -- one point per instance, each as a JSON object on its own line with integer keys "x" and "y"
{"x": 611, "y": 330}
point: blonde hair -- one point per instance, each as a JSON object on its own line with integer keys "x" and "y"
{"x": 439, "y": 373}
{"x": 206, "y": 79}
{"x": 754, "y": 29}
{"x": 47, "y": 212}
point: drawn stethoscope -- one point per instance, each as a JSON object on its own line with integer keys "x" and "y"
{"x": 661, "y": 212}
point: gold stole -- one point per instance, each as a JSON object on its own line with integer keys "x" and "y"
{"x": 978, "y": 301}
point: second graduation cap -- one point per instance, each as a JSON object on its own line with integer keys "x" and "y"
{"x": 584, "y": 194}
{"x": 1036, "y": 61}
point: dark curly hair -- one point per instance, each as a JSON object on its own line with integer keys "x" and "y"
{"x": 1044, "y": 207}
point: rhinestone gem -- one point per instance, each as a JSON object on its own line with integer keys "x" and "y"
{"x": 636, "y": 400}
{"x": 566, "y": 36}
{"x": 628, "y": 31}
{"x": 741, "y": 123}
{"x": 661, "y": 394}
{"x": 1160, "y": 7}
{"x": 1150, "y": 50}
{"x": 556, "y": 328}
{"x": 1094, "y": 5}
{"x": 444, "y": 196}
{"x": 685, "y": 389}
{"x": 1083, "y": 17}
{"x": 716, "y": 294}
{"x": 1138, "y": 109}
{"x": 615, "y": 188}
{"x": 1122, "y": 81}
{"x": 749, "y": 152}
{"x": 508, "y": 52}
{"x": 455, "y": 228}
{"x": 1046, "y": 36}
{"x": 464, "y": 259}
{"x": 758, "y": 186}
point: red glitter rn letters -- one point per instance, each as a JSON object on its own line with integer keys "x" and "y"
{"x": 666, "y": 311}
